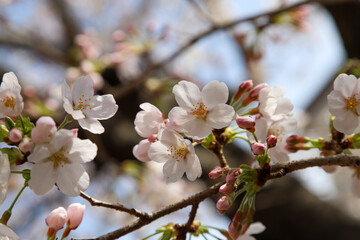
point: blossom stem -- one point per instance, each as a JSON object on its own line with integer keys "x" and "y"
{"x": 244, "y": 138}
{"x": 256, "y": 139}
{"x": 67, "y": 120}
{"x": 203, "y": 235}
{"x": 17, "y": 172}
{"x": 7, "y": 214}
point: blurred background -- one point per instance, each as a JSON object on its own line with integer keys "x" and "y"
{"x": 138, "y": 50}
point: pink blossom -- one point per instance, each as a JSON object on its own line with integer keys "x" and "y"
{"x": 140, "y": 150}
{"x": 223, "y": 204}
{"x": 11, "y": 101}
{"x": 149, "y": 121}
{"x": 75, "y": 213}
{"x": 271, "y": 141}
{"x": 15, "y": 135}
{"x": 217, "y": 172}
{"x": 232, "y": 176}
{"x": 243, "y": 88}
{"x": 258, "y": 148}
{"x": 226, "y": 189}
{"x": 245, "y": 122}
{"x": 56, "y": 219}
{"x": 45, "y": 129}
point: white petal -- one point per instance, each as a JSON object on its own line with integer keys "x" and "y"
{"x": 140, "y": 151}
{"x": 10, "y": 81}
{"x": 186, "y": 94}
{"x": 40, "y": 153}
{"x": 102, "y": 107}
{"x": 178, "y": 117}
{"x": 7, "y": 233}
{"x": 66, "y": 92}
{"x": 261, "y": 129}
{"x": 148, "y": 107}
{"x": 158, "y": 152}
{"x": 346, "y": 123}
{"x": 336, "y": 103}
{"x": 43, "y": 177}
{"x": 72, "y": 179}
{"x": 61, "y": 138}
{"x": 197, "y": 128}
{"x": 193, "y": 167}
{"x": 83, "y": 88}
{"x": 91, "y": 125}
{"x": 214, "y": 93}
{"x": 82, "y": 151}
{"x": 346, "y": 84}
{"x": 255, "y": 228}
{"x": 220, "y": 116}
{"x": 173, "y": 170}
{"x": 279, "y": 154}
{"x": 4, "y": 176}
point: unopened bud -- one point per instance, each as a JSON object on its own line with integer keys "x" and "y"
{"x": 232, "y": 176}
{"x": 254, "y": 94}
{"x": 245, "y": 122}
{"x": 258, "y": 148}
{"x": 271, "y": 141}
{"x": 15, "y": 135}
{"x": 223, "y": 204}
{"x": 226, "y": 189}
{"x": 217, "y": 172}
{"x": 243, "y": 88}
{"x": 294, "y": 139}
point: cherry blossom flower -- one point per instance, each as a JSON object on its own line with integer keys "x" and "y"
{"x": 88, "y": 109}
{"x": 200, "y": 111}
{"x": 45, "y": 129}
{"x": 280, "y": 129}
{"x": 344, "y": 102}
{"x": 11, "y": 101}
{"x": 59, "y": 162}
{"x": 254, "y": 228}
{"x": 7, "y": 233}
{"x": 272, "y": 105}
{"x": 140, "y": 150}
{"x": 177, "y": 153}
{"x": 4, "y": 176}
{"x": 149, "y": 121}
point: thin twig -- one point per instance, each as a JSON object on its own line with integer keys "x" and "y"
{"x": 183, "y": 229}
{"x": 118, "y": 207}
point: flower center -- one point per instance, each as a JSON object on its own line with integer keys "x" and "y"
{"x": 8, "y": 102}
{"x": 83, "y": 103}
{"x": 59, "y": 158}
{"x": 351, "y": 104}
{"x": 199, "y": 109}
{"x": 178, "y": 152}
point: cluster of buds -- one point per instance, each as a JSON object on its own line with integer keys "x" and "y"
{"x": 57, "y": 219}
{"x": 295, "y": 143}
{"x": 225, "y": 202}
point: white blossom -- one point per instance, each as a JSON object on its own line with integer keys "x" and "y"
{"x": 11, "y": 101}
{"x": 254, "y": 228}
{"x": 272, "y": 105}
{"x": 59, "y": 161}
{"x": 149, "y": 121}
{"x": 141, "y": 149}
{"x": 344, "y": 103}
{"x": 4, "y": 176}
{"x": 280, "y": 129}
{"x": 7, "y": 233}
{"x": 200, "y": 111}
{"x": 177, "y": 153}
{"x": 83, "y": 106}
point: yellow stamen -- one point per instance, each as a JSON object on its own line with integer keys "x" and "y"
{"x": 199, "y": 109}
{"x": 177, "y": 152}
{"x": 8, "y": 102}
{"x": 83, "y": 103}
{"x": 59, "y": 158}
{"x": 351, "y": 104}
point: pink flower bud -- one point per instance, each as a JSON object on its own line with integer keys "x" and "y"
{"x": 216, "y": 172}
{"x": 245, "y": 122}
{"x": 15, "y": 135}
{"x": 226, "y": 189}
{"x": 271, "y": 141}
{"x": 254, "y": 94}
{"x": 44, "y": 130}
{"x": 26, "y": 145}
{"x": 56, "y": 219}
{"x": 258, "y": 148}
{"x": 223, "y": 204}
{"x": 232, "y": 176}
{"x": 243, "y": 88}
{"x": 75, "y": 213}
{"x": 140, "y": 151}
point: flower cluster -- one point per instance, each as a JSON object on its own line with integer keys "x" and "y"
{"x": 197, "y": 114}
{"x": 56, "y": 154}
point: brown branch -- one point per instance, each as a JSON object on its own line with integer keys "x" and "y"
{"x": 118, "y": 207}
{"x": 185, "y": 228}
{"x": 192, "y": 200}
{"x": 281, "y": 170}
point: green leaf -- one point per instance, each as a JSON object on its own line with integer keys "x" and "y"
{"x": 9, "y": 123}
{"x": 26, "y": 125}
{"x": 208, "y": 141}
{"x": 14, "y": 154}
{"x": 4, "y": 132}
